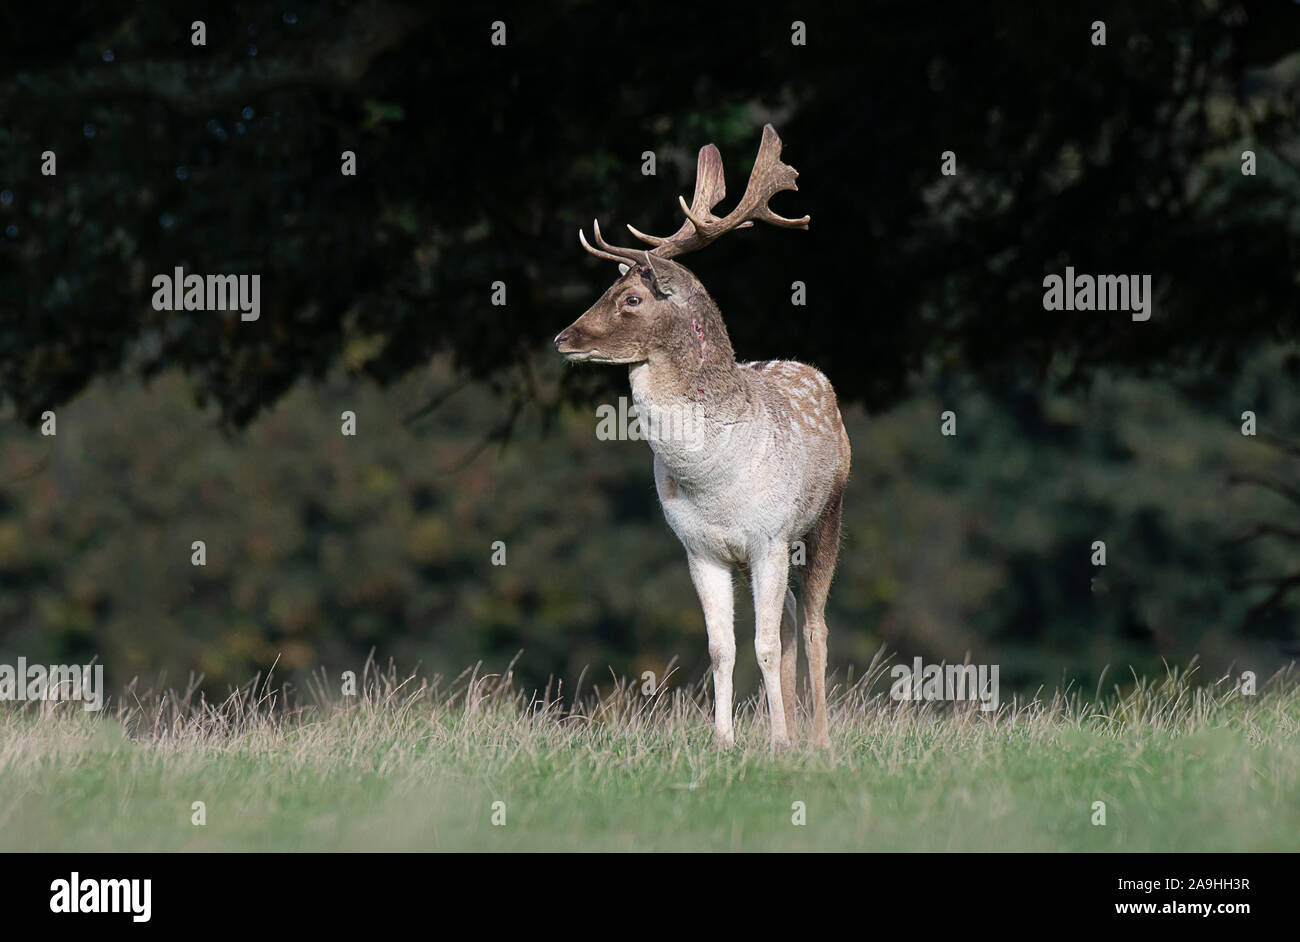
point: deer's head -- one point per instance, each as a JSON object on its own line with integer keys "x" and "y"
{"x": 657, "y": 305}
{"x": 637, "y": 315}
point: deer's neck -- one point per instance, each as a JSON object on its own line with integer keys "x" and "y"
{"x": 692, "y": 400}
{"x": 694, "y": 365}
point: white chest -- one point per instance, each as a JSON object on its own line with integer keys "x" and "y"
{"x": 727, "y": 486}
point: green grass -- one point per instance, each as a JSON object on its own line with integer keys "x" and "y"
{"x": 409, "y": 765}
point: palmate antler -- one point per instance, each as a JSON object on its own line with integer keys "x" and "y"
{"x": 769, "y": 177}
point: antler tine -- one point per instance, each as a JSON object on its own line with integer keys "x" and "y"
{"x": 653, "y": 240}
{"x": 625, "y": 253}
{"x": 710, "y": 189}
{"x": 769, "y": 177}
{"x": 608, "y": 256}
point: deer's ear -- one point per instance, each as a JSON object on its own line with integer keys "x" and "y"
{"x": 650, "y": 278}
{"x": 623, "y": 269}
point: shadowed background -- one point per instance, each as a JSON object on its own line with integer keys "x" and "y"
{"x": 477, "y": 164}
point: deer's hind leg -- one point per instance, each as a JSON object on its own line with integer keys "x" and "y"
{"x": 823, "y": 542}
{"x": 789, "y": 661}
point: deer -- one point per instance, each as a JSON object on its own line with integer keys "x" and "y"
{"x": 765, "y": 466}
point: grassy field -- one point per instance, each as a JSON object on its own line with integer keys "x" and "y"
{"x": 409, "y": 765}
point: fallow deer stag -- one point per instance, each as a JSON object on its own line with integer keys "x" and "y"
{"x": 766, "y": 464}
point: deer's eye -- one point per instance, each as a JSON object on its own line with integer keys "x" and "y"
{"x": 631, "y": 300}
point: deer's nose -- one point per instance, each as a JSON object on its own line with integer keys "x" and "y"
{"x": 561, "y": 339}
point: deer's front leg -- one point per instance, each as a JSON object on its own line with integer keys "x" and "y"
{"x": 771, "y": 572}
{"x": 713, "y": 584}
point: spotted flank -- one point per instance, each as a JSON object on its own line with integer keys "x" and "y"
{"x": 811, "y": 399}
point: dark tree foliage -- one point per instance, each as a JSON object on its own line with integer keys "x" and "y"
{"x": 478, "y": 163}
